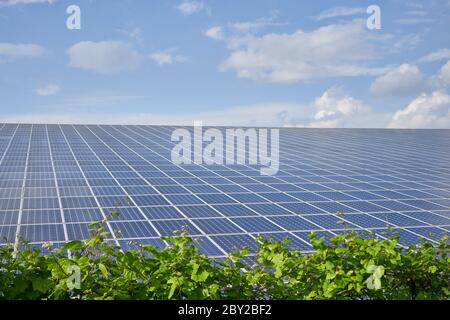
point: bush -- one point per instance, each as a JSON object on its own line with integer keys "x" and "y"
{"x": 350, "y": 266}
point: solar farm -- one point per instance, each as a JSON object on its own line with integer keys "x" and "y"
{"x": 57, "y": 179}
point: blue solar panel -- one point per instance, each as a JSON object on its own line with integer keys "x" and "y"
{"x": 425, "y": 205}
{"x": 171, "y": 227}
{"x": 133, "y": 229}
{"x": 256, "y": 224}
{"x": 8, "y": 234}
{"x": 83, "y": 215}
{"x": 78, "y": 231}
{"x": 399, "y": 219}
{"x": 230, "y": 243}
{"x": 302, "y": 208}
{"x": 430, "y": 233}
{"x": 8, "y": 218}
{"x": 166, "y": 212}
{"x": 41, "y": 216}
{"x": 235, "y": 210}
{"x": 295, "y": 242}
{"x": 333, "y": 207}
{"x": 293, "y": 223}
{"x": 330, "y": 222}
{"x": 42, "y": 232}
{"x": 336, "y": 196}
{"x": 201, "y": 211}
{"x": 56, "y": 179}
{"x": 218, "y": 226}
{"x": 304, "y": 235}
{"x": 136, "y": 244}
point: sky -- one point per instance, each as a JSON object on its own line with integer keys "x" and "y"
{"x": 237, "y": 63}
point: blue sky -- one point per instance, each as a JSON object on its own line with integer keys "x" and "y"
{"x": 256, "y": 63}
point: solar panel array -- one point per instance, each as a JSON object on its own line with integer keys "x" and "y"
{"x": 57, "y": 179}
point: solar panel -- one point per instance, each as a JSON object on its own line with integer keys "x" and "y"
{"x": 56, "y": 179}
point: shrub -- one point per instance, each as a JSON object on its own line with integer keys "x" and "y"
{"x": 350, "y": 266}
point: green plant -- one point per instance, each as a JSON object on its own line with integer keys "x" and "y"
{"x": 353, "y": 265}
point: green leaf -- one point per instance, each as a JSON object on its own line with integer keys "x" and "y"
{"x": 173, "y": 287}
{"x": 73, "y": 245}
{"x": 103, "y": 270}
{"x": 203, "y": 276}
{"x": 379, "y": 272}
{"x": 40, "y": 284}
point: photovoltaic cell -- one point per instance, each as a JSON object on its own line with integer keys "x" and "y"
{"x": 56, "y": 179}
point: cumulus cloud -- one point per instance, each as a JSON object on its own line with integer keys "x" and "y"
{"x": 336, "y": 50}
{"x": 242, "y": 27}
{"x": 168, "y": 56}
{"x": 12, "y": 51}
{"x": 440, "y": 54}
{"x": 444, "y": 74}
{"x": 335, "y": 108}
{"x": 190, "y": 7}
{"x": 7, "y": 3}
{"x": 403, "y": 80}
{"x": 48, "y": 90}
{"x": 215, "y": 33}
{"x": 340, "y": 12}
{"x": 426, "y": 111}
{"x": 104, "y": 56}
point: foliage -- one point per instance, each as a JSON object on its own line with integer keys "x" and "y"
{"x": 350, "y": 266}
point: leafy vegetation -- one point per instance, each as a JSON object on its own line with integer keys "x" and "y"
{"x": 349, "y": 266}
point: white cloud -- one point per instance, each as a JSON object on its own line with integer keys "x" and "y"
{"x": 403, "y": 80}
{"x": 426, "y": 111}
{"x": 332, "y": 109}
{"x": 243, "y": 27}
{"x": 104, "y": 56}
{"x": 167, "y": 57}
{"x": 340, "y": 12}
{"x": 93, "y": 102}
{"x": 7, "y": 3}
{"x": 48, "y": 90}
{"x": 440, "y": 80}
{"x": 134, "y": 34}
{"x": 440, "y": 54}
{"x": 255, "y": 25}
{"x": 215, "y": 33}
{"x": 414, "y": 20}
{"x": 335, "y": 109}
{"x": 336, "y": 50}
{"x": 190, "y": 7}
{"x": 278, "y": 114}
{"x": 11, "y": 51}
{"x": 419, "y": 13}
{"x": 403, "y": 43}
{"x": 444, "y": 74}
